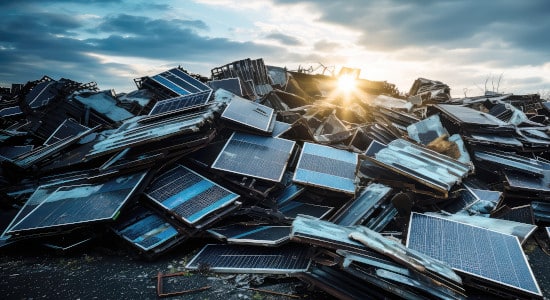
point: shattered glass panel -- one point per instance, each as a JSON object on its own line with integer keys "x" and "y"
{"x": 149, "y": 232}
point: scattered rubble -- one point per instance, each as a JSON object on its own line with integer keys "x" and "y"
{"x": 362, "y": 193}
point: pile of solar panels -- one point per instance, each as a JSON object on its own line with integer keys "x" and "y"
{"x": 370, "y": 197}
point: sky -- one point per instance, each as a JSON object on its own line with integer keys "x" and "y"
{"x": 471, "y": 45}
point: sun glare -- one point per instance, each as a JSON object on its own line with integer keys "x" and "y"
{"x": 346, "y": 83}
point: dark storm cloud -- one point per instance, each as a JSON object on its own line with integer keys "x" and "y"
{"x": 284, "y": 39}
{"x": 393, "y": 24}
{"x": 38, "y": 44}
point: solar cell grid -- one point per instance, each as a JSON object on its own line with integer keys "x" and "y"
{"x": 326, "y": 167}
{"x": 251, "y": 259}
{"x": 188, "y": 195}
{"x": 473, "y": 250}
{"x": 149, "y": 232}
{"x": 256, "y": 156}
{"x": 249, "y": 113}
{"x": 181, "y": 103}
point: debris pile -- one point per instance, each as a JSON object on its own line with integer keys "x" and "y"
{"x": 355, "y": 189}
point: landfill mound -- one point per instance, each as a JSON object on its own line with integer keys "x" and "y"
{"x": 341, "y": 183}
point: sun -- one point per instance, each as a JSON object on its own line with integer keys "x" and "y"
{"x": 346, "y": 83}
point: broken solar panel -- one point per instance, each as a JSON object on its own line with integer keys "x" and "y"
{"x": 251, "y": 259}
{"x": 68, "y": 128}
{"x": 11, "y": 152}
{"x": 256, "y": 156}
{"x": 229, "y": 84}
{"x": 326, "y": 167}
{"x": 149, "y": 232}
{"x": 41, "y": 94}
{"x": 360, "y": 209}
{"x": 180, "y": 82}
{"x": 250, "y": 114}
{"x": 240, "y": 234}
{"x": 80, "y": 204}
{"x": 188, "y": 195}
{"x": 181, "y": 103}
{"x": 292, "y": 209}
{"x": 487, "y": 255}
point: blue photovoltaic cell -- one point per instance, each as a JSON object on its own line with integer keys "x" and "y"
{"x": 170, "y": 85}
{"x": 477, "y": 251}
{"x": 196, "y": 83}
{"x": 149, "y": 232}
{"x": 257, "y": 156}
{"x": 189, "y": 195}
{"x": 249, "y": 113}
{"x": 326, "y": 167}
{"x": 180, "y": 82}
{"x": 80, "y": 204}
{"x": 181, "y": 102}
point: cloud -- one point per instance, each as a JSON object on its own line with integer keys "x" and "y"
{"x": 284, "y": 39}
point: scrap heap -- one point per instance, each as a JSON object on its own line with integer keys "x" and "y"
{"x": 339, "y": 181}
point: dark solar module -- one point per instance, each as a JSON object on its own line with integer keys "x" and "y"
{"x": 522, "y": 214}
{"x": 41, "y": 94}
{"x": 68, "y": 128}
{"x": 232, "y": 85}
{"x": 14, "y": 151}
{"x": 326, "y": 167}
{"x": 292, "y": 209}
{"x": 149, "y": 232}
{"x": 188, "y": 194}
{"x": 10, "y": 111}
{"x": 251, "y": 259}
{"x": 472, "y": 250}
{"x": 255, "y": 156}
{"x": 324, "y": 233}
{"x": 253, "y": 234}
{"x": 181, "y": 103}
{"x": 70, "y": 205}
{"x": 250, "y": 114}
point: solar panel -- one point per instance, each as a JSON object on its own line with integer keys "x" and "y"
{"x": 179, "y": 82}
{"x": 10, "y": 111}
{"x": 363, "y": 206}
{"x": 79, "y": 204}
{"x": 149, "y": 232}
{"x": 41, "y": 94}
{"x": 14, "y": 151}
{"x": 251, "y": 259}
{"x": 292, "y": 209}
{"x": 482, "y": 253}
{"x": 280, "y": 128}
{"x": 230, "y": 84}
{"x": 326, "y": 167}
{"x": 189, "y": 195}
{"x": 256, "y": 156}
{"x": 252, "y": 234}
{"x": 181, "y": 103}
{"x": 250, "y": 114}
{"x": 68, "y": 128}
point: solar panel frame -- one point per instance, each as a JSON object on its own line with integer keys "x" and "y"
{"x": 200, "y": 186}
{"x": 229, "y": 259}
{"x": 336, "y": 182}
{"x": 190, "y": 101}
{"x": 436, "y": 249}
{"x": 246, "y": 112}
{"x": 126, "y": 184}
{"x": 271, "y": 153}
